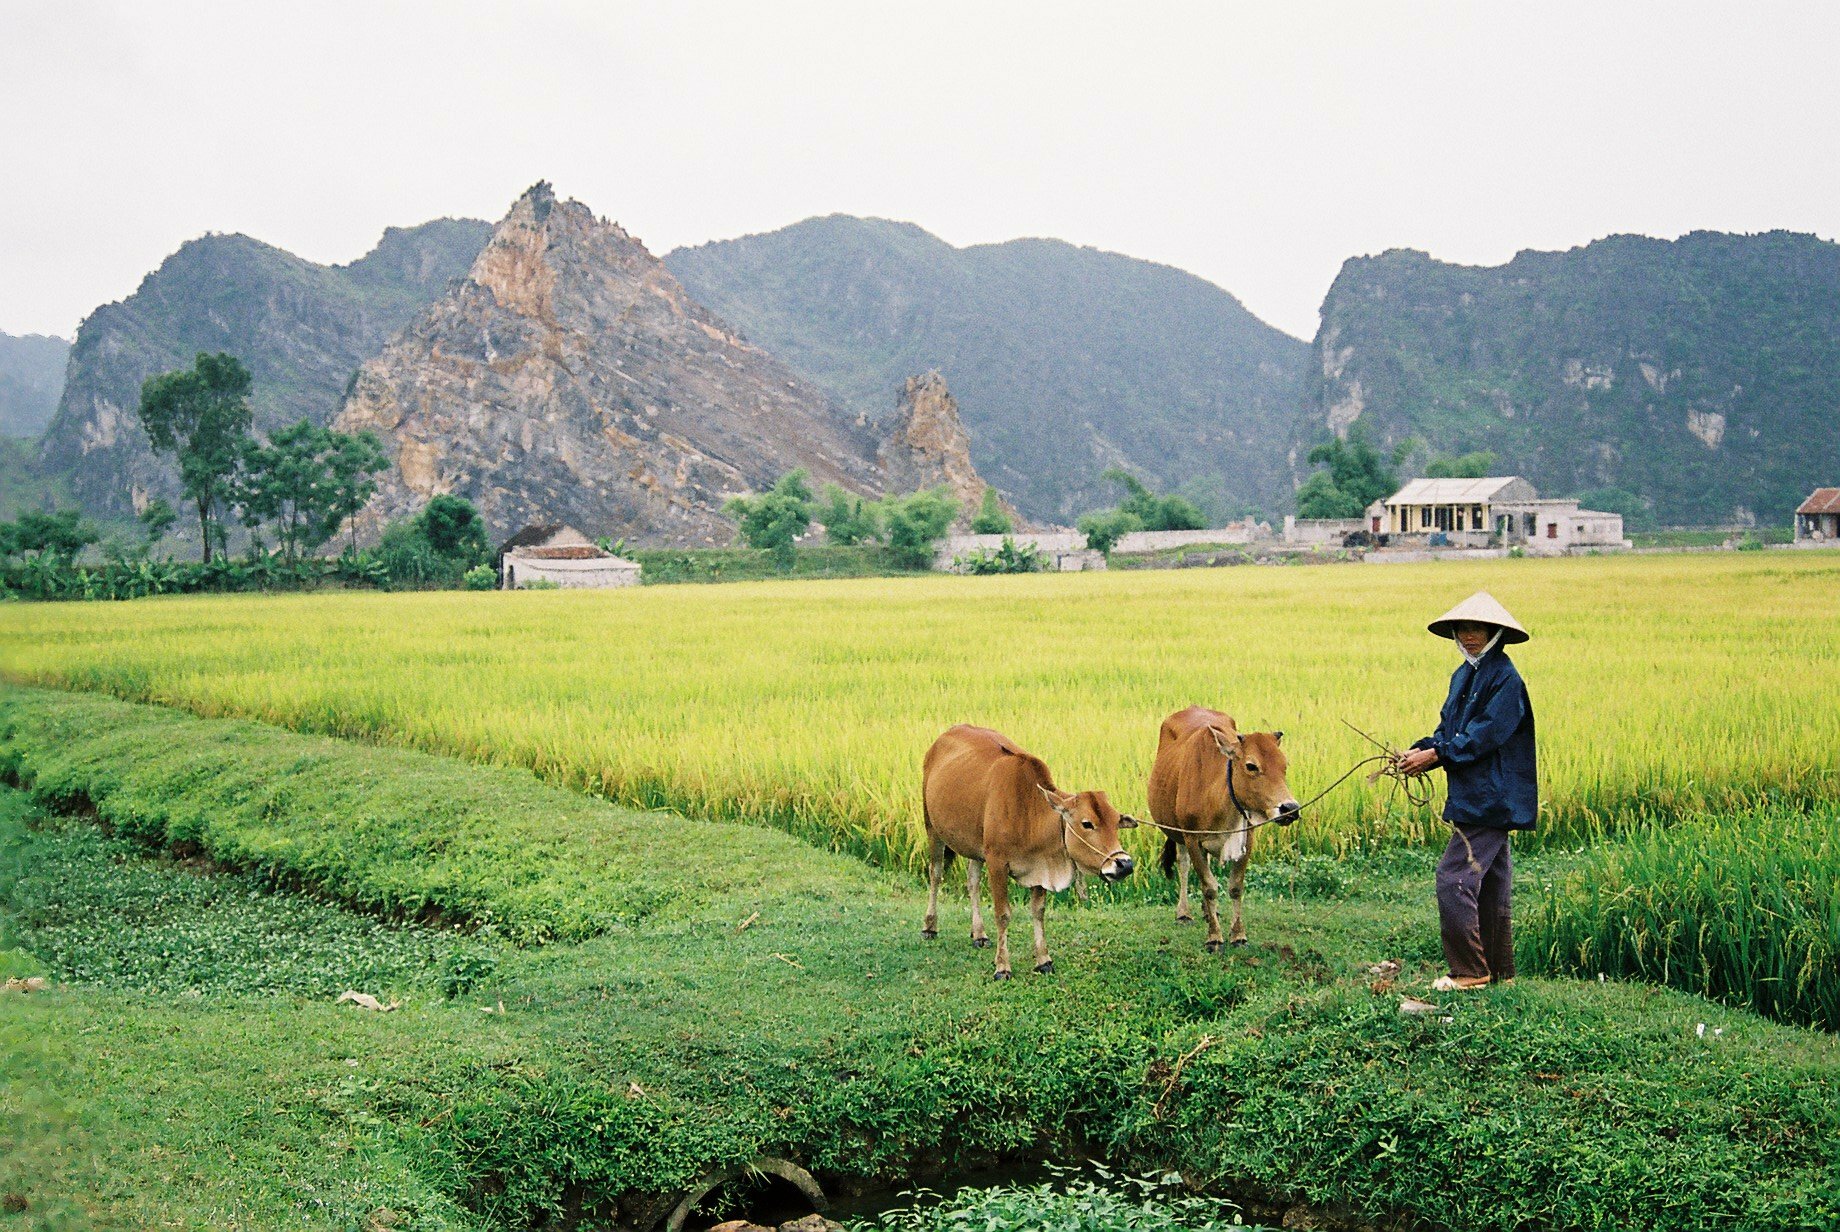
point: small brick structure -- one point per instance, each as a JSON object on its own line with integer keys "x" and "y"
{"x": 562, "y": 556}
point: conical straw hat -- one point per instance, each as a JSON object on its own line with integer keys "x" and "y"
{"x": 1482, "y": 608}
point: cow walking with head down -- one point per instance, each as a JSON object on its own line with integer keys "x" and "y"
{"x": 997, "y": 806}
{"x": 1211, "y": 787}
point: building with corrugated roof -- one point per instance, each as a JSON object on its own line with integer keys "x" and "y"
{"x": 1494, "y": 511}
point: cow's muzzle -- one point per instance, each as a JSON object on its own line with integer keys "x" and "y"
{"x": 1118, "y": 868}
{"x": 1287, "y": 812}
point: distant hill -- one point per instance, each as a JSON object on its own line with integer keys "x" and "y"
{"x": 570, "y": 378}
{"x": 31, "y": 378}
{"x": 1700, "y": 374}
{"x": 302, "y": 329}
{"x": 1064, "y": 360}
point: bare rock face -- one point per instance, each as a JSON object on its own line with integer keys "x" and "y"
{"x": 927, "y": 446}
{"x": 569, "y": 377}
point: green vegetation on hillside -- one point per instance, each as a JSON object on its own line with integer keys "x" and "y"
{"x": 1105, "y": 358}
{"x": 1699, "y": 375}
{"x": 302, "y": 329}
{"x": 777, "y": 1000}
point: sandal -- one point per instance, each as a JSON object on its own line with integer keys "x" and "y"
{"x": 1451, "y": 983}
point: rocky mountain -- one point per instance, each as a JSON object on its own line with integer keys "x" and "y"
{"x": 301, "y": 328}
{"x": 1069, "y": 360}
{"x": 570, "y": 377}
{"x": 31, "y": 378}
{"x": 926, "y": 446}
{"x": 1698, "y": 378}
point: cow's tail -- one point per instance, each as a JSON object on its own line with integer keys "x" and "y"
{"x": 1168, "y": 862}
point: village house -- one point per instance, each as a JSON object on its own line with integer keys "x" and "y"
{"x": 1495, "y": 511}
{"x": 562, "y": 556}
{"x": 1817, "y": 519}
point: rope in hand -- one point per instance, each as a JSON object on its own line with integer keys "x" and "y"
{"x": 1417, "y": 794}
{"x": 1415, "y": 788}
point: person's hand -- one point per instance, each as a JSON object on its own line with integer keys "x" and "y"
{"x": 1416, "y": 761}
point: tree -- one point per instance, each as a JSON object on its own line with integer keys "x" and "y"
{"x": 1154, "y": 512}
{"x": 201, "y": 415}
{"x": 990, "y": 519}
{"x": 1357, "y": 477}
{"x": 1462, "y": 466}
{"x": 454, "y": 529}
{"x": 1104, "y": 528}
{"x": 917, "y": 521}
{"x": 846, "y": 518}
{"x": 772, "y": 520}
{"x": 59, "y": 537}
{"x": 357, "y": 460}
{"x": 1320, "y": 498}
{"x": 307, "y": 480}
{"x": 156, "y": 519}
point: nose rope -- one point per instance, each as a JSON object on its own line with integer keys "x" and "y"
{"x": 1067, "y": 829}
{"x": 1417, "y": 794}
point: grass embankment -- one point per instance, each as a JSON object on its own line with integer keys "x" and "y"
{"x": 776, "y": 999}
{"x": 1665, "y": 685}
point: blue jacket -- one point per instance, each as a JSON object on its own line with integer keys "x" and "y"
{"x": 1484, "y": 743}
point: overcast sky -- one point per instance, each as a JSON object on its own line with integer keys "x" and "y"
{"x": 1257, "y": 145}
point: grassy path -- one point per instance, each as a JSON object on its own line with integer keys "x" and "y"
{"x": 662, "y": 1037}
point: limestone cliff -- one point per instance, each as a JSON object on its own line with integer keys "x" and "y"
{"x": 926, "y": 445}
{"x": 569, "y": 377}
{"x": 1685, "y": 382}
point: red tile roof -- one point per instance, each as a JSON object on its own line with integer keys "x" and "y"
{"x": 1824, "y": 500}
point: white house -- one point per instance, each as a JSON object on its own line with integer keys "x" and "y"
{"x": 1498, "y": 510}
{"x": 562, "y": 556}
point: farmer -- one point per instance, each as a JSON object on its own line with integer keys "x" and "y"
{"x": 1484, "y": 743}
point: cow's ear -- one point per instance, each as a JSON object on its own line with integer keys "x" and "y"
{"x": 1278, "y": 736}
{"x": 1056, "y": 800}
{"x": 1128, "y": 822}
{"x": 1227, "y": 750}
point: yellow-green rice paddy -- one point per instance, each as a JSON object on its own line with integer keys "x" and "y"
{"x": 1662, "y": 684}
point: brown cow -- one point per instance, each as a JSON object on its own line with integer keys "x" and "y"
{"x": 990, "y": 802}
{"x": 1210, "y": 789}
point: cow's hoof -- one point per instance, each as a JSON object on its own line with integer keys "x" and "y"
{"x": 1046, "y": 968}
{"x": 1185, "y": 919}
{"x": 1001, "y": 975}
{"x": 1213, "y": 947}
{"x": 982, "y": 943}
{"x": 927, "y": 934}
{"x": 1237, "y": 941}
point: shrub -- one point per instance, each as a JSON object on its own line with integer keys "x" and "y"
{"x": 990, "y": 519}
{"x": 480, "y": 577}
{"x": 773, "y": 520}
{"x": 435, "y": 548}
{"x": 915, "y": 522}
{"x": 1104, "y": 529}
{"x": 848, "y": 519}
{"x": 1008, "y": 558}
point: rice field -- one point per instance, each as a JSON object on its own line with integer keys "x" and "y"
{"x": 1663, "y": 684}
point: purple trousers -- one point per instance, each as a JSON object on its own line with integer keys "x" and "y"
{"x": 1474, "y": 881}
